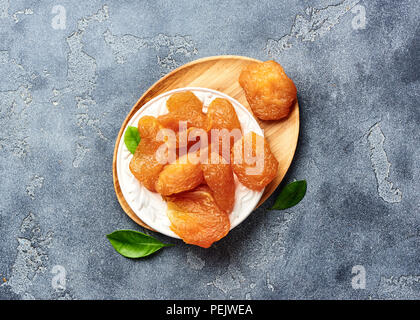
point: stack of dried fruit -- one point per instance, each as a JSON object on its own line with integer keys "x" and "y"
{"x": 198, "y": 184}
{"x": 200, "y": 194}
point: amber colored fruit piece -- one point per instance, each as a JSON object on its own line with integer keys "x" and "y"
{"x": 270, "y": 92}
{"x": 193, "y": 119}
{"x": 223, "y": 125}
{"x": 221, "y": 114}
{"x": 252, "y": 161}
{"x": 219, "y": 177}
{"x": 190, "y": 136}
{"x": 144, "y": 165}
{"x": 179, "y": 176}
{"x": 149, "y": 127}
{"x": 184, "y": 106}
{"x": 196, "y": 218}
{"x": 171, "y": 121}
{"x": 191, "y": 140}
{"x": 181, "y": 101}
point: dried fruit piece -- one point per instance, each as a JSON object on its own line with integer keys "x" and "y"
{"x": 193, "y": 119}
{"x": 221, "y": 114}
{"x": 181, "y": 175}
{"x": 171, "y": 120}
{"x": 252, "y": 161}
{"x": 196, "y": 218}
{"x": 269, "y": 91}
{"x": 183, "y": 106}
{"x": 144, "y": 165}
{"x": 223, "y": 125}
{"x": 191, "y": 136}
{"x": 181, "y": 101}
{"x": 149, "y": 127}
{"x": 219, "y": 177}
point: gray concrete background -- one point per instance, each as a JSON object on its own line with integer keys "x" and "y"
{"x": 65, "y": 92}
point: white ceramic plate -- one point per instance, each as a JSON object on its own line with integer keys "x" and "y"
{"x": 149, "y": 206}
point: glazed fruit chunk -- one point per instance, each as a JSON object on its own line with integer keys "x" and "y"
{"x": 221, "y": 114}
{"x": 196, "y": 137}
{"x": 252, "y": 162}
{"x": 181, "y": 175}
{"x": 270, "y": 92}
{"x": 183, "y": 102}
{"x": 219, "y": 177}
{"x": 196, "y": 218}
{"x": 149, "y": 127}
{"x": 144, "y": 165}
{"x": 223, "y": 126}
{"x": 183, "y": 106}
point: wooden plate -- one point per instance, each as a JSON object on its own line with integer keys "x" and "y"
{"x": 220, "y": 73}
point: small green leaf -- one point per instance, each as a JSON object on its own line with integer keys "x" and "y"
{"x": 134, "y": 244}
{"x": 291, "y": 195}
{"x": 131, "y": 138}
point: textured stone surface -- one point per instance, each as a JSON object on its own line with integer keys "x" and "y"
{"x": 65, "y": 92}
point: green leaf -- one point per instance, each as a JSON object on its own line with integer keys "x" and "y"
{"x": 134, "y": 244}
{"x": 291, "y": 195}
{"x": 131, "y": 138}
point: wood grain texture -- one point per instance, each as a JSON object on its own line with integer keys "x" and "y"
{"x": 219, "y": 73}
